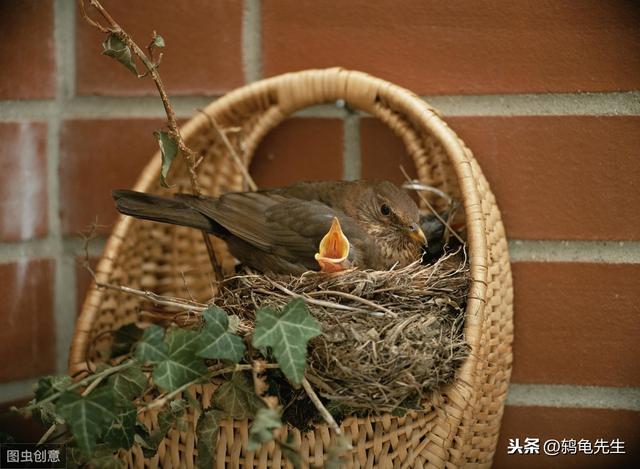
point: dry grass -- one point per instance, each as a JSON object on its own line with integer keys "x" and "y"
{"x": 389, "y": 337}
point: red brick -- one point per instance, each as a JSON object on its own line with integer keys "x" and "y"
{"x": 23, "y": 181}
{"x": 28, "y": 333}
{"x": 560, "y": 177}
{"x": 97, "y": 156}
{"x": 202, "y": 54}
{"x": 555, "y": 177}
{"x": 576, "y": 323}
{"x": 382, "y": 153}
{"x": 564, "y": 423}
{"x": 27, "y": 49}
{"x": 461, "y": 47}
{"x": 301, "y": 149}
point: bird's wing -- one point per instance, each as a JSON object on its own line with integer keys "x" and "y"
{"x": 284, "y": 226}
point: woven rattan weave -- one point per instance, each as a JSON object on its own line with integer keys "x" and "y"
{"x": 459, "y": 426}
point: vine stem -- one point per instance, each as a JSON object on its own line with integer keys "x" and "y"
{"x": 161, "y": 401}
{"x": 152, "y": 68}
{"x": 88, "y": 380}
{"x": 47, "y": 434}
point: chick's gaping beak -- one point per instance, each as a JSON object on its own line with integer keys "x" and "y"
{"x": 334, "y": 249}
{"x": 416, "y": 233}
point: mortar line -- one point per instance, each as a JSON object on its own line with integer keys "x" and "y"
{"x": 571, "y": 396}
{"x": 251, "y": 41}
{"x": 48, "y": 247}
{"x": 15, "y": 390}
{"x": 543, "y": 104}
{"x": 65, "y": 281}
{"x": 74, "y": 246}
{"x": 96, "y": 107}
{"x": 28, "y": 249}
{"x": 612, "y": 252}
{"x": 352, "y": 167}
{"x": 608, "y": 252}
{"x": 588, "y": 104}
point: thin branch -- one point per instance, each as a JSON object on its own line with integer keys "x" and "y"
{"x": 326, "y": 304}
{"x": 161, "y": 401}
{"x": 152, "y": 67}
{"x": 433, "y": 210}
{"x": 213, "y": 257}
{"x": 85, "y": 381}
{"x": 419, "y": 186}
{"x": 93, "y": 385}
{"x": 179, "y": 303}
{"x": 349, "y": 296}
{"x": 91, "y": 21}
{"x": 326, "y": 415}
{"x": 232, "y": 151}
{"x": 47, "y": 434}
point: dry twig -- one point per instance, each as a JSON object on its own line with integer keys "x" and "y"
{"x": 152, "y": 70}
{"x": 328, "y": 418}
{"x": 232, "y": 151}
{"x": 433, "y": 210}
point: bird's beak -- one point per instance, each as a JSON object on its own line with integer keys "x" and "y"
{"x": 416, "y": 233}
{"x": 334, "y": 249}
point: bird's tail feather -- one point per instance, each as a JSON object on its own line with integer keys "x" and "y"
{"x": 160, "y": 209}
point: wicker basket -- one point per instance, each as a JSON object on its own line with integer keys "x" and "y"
{"x": 460, "y": 425}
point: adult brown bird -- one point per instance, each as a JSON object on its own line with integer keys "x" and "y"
{"x": 329, "y": 226}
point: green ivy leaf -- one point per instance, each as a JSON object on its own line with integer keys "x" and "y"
{"x": 217, "y": 342}
{"x": 178, "y": 407}
{"x": 87, "y": 416}
{"x": 291, "y": 452}
{"x": 124, "y": 339}
{"x": 107, "y": 462}
{"x": 128, "y": 384}
{"x": 122, "y": 431}
{"x": 114, "y": 47}
{"x": 158, "y": 41}
{"x": 144, "y": 440}
{"x": 47, "y": 412}
{"x": 207, "y": 437}
{"x": 262, "y": 427}
{"x": 168, "y": 150}
{"x": 181, "y": 365}
{"x": 167, "y": 418}
{"x": 102, "y": 458}
{"x": 152, "y": 349}
{"x": 236, "y": 397}
{"x": 192, "y": 402}
{"x": 287, "y": 333}
{"x": 336, "y": 453}
{"x": 51, "y": 385}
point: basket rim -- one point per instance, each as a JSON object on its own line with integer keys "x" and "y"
{"x": 294, "y": 91}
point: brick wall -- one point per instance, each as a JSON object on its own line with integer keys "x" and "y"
{"x": 546, "y": 94}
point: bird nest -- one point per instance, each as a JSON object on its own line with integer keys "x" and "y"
{"x": 389, "y": 338}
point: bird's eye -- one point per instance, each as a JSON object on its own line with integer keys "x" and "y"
{"x": 385, "y": 210}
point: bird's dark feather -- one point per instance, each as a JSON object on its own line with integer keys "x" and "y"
{"x": 286, "y": 227}
{"x": 280, "y": 229}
